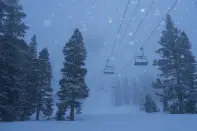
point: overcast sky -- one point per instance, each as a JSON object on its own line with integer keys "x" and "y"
{"x": 53, "y": 21}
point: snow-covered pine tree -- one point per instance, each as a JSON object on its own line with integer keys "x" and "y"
{"x": 13, "y": 26}
{"x": 45, "y": 83}
{"x": 33, "y": 48}
{"x": 13, "y": 52}
{"x": 173, "y": 65}
{"x": 2, "y": 14}
{"x": 149, "y": 105}
{"x": 169, "y": 79}
{"x": 7, "y": 82}
{"x": 73, "y": 86}
{"x": 33, "y": 75}
{"x": 189, "y": 74}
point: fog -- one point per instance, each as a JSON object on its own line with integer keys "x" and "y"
{"x": 53, "y": 21}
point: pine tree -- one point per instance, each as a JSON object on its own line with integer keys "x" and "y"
{"x": 73, "y": 86}
{"x": 14, "y": 57}
{"x": 149, "y": 105}
{"x": 33, "y": 48}
{"x": 2, "y": 15}
{"x": 45, "y": 84}
{"x": 7, "y": 82}
{"x": 33, "y": 74}
{"x": 173, "y": 65}
{"x": 13, "y": 26}
{"x": 13, "y": 68}
{"x": 189, "y": 74}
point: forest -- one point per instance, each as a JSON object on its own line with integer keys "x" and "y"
{"x": 27, "y": 91}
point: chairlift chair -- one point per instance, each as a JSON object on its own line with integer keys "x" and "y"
{"x": 141, "y": 60}
{"x": 109, "y": 69}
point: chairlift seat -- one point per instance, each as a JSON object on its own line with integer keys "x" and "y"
{"x": 108, "y": 70}
{"x": 141, "y": 61}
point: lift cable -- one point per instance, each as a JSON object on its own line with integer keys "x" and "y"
{"x": 170, "y": 9}
{"x": 118, "y": 32}
{"x": 163, "y": 19}
{"x": 127, "y": 27}
{"x": 141, "y": 22}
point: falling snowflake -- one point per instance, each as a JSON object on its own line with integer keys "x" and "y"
{"x": 130, "y": 34}
{"x": 91, "y": 18}
{"x": 131, "y": 43}
{"x": 110, "y": 20}
{"x": 134, "y": 2}
{"x": 47, "y": 23}
{"x": 93, "y": 6}
{"x": 163, "y": 23}
{"x": 84, "y": 28}
{"x": 157, "y": 12}
{"x": 182, "y": 56}
{"x": 142, "y": 10}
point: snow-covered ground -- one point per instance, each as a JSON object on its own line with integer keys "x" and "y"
{"x": 118, "y": 119}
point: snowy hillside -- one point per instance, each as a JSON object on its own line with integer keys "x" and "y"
{"x": 125, "y": 120}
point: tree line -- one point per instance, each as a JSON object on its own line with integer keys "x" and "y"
{"x": 25, "y": 73}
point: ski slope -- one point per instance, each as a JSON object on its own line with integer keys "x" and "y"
{"x": 119, "y": 119}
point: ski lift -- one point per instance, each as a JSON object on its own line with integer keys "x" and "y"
{"x": 109, "y": 69}
{"x": 141, "y": 60}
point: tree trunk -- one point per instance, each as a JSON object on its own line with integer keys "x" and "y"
{"x": 72, "y": 112}
{"x": 38, "y": 114}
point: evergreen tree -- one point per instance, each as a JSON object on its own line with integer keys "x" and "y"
{"x": 7, "y": 82}
{"x": 33, "y": 74}
{"x": 45, "y": 84}
{"x": 175, "y": 59}
{"x": 14, "y": 57}
{"x": 13, "y": 26}
{"x": 189, "y": 74}
{"x": 2, "y": 15}
{"x": 14, "y": 78}
{"x": 149, "y": 105}
{"x": 73, "y": 86}
{"x": 33, "y": 48}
